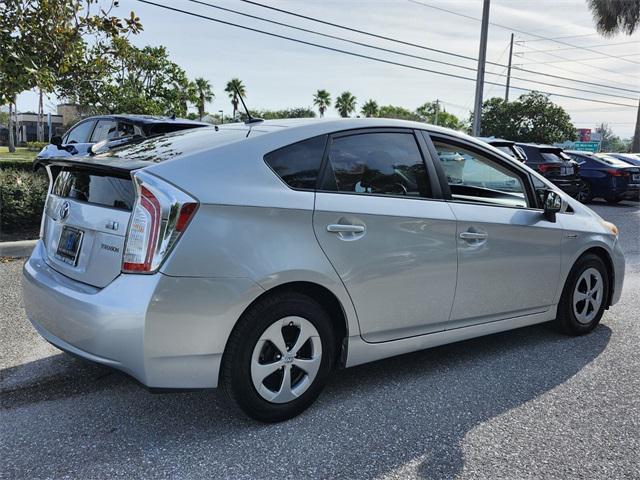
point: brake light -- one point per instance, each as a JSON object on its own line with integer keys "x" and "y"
{"x": 160, "y": 214}
{"x": 618, "y": 173}
{"x": 543, "y": 167}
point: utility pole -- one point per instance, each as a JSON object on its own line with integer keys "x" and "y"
{"x": 482, "y": 57}
{"x": 506, "y": 92}
{"x": 437, "y": 110}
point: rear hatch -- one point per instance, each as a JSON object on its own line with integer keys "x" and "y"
{"x": 86, "y": 217}
{"x": 558, "y": 164}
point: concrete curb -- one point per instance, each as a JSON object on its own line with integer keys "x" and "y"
{"x": 21, "y": 248}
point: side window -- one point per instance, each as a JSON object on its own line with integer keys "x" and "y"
{"x": 298, "y": 164}
{"x": 105, "y": 130}
{"x": 379, "y": 164}
{"x": 477, "y": 178}
{"x": 128, "y": 130}
{"x": 79, "y": 133}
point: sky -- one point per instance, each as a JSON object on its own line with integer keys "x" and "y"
{"x": 280, "y": 74}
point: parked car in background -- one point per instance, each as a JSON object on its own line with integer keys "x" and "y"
{"x": 630, "y": 158}
{"x": 507, "y": 146}
{"x": 263, "y": 256}
{"x": 554, "y": 165}
{"x": 86, "y": 133}
{"x": 606, "y": 177}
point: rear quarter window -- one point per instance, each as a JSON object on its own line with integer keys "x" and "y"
{"x": 298, "y": 164}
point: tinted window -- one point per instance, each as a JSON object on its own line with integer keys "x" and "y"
{"x": 80, "y": 133}
{"x": 105, "y": 130}
{"x": 478, "y": 178}
{"x": 94, "y": 188}
{"x": 379, "y": 163}
{"x": 298, "y": 164}
{"x": 551, "y": 157}
{"x": 614, "y": 162}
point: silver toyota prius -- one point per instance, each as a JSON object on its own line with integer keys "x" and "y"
{"x": 262, "y": 256}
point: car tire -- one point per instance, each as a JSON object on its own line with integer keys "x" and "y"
{"x": 584, "y": 195}
{"x": 264, "y": 341}
{"x": 584, "y": 297}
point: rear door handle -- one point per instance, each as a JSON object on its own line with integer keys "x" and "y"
{"x": 473, "y": 236}
{"x": 340, "y": 228}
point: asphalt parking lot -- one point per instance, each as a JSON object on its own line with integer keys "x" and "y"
{"x": 530, "y": 403}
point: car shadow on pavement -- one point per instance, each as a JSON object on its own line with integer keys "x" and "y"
{"x": 371, "y": 420}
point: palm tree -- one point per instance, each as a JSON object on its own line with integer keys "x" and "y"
{"x": 322, "y": 100}
{"x": 611, "y": 17}
{"x": 345, "y": 104}
{"x": 204, "y": 93}
{"x": 235, "y": 88}
{"x": 370, "y": 108}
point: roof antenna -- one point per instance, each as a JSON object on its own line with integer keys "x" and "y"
{"x": 250, "y": 119}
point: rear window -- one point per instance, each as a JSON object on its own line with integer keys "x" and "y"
{"x": 95, "y": 188}
{"x": 298, "y": 164}
{"x": 551, "y": 157}
{"x": 614, "y": 162}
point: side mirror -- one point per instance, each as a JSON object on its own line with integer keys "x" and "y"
{"x": 57, "y": 141}
{"x": 552, "y": 205}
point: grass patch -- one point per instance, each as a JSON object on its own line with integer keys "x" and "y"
{"x": 21, "y": 154}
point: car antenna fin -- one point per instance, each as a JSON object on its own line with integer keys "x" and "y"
{"x": 250, "y": 119}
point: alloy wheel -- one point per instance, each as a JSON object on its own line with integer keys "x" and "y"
{"x": 286, "y": 359}
{"x": 587, "y": 295}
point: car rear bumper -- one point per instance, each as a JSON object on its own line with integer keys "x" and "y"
{"x": 569, "y": 186}
{"x": 167, "y": 332}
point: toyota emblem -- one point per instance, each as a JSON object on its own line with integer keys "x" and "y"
{"x": 64, "y": 211}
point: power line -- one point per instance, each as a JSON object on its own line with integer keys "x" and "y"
{"x": 566, "y": 61}
{"x": 359, "y": 55}
{"x": 431, "y": 49}
{"x": 397, "y": 52}
{"x": 602, "y": 45}
{"x": 512, "y": 29}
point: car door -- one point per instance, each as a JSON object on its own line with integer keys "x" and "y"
{"x": 508, "y": 254}
{"x": 392, "y": 244}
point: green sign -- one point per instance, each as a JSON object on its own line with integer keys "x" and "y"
{"x": 587, "y": 146}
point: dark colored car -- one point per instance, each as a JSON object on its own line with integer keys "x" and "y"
{"x": 554, "y": 164}
{"x": 629, "y": 158}
{"x": 606, "y": 177}
{"x": 507, "y": 146}
{"x": 86, "y": 133}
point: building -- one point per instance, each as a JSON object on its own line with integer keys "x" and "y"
{"x": 27, "y": 127}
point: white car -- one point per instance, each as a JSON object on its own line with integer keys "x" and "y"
{"x": 260, "y": 257}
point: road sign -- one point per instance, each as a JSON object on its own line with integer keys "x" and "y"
{"x": 587, "y": 146}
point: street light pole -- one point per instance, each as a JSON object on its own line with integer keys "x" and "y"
{"x": 506, "y": 92}
{"x": 482, "y": 57}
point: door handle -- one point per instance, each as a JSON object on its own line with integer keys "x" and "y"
{"x": 341, "y": 228}
{"x": 473, "y": 236}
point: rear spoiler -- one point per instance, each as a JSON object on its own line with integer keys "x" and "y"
{"x": 116, "y": 166}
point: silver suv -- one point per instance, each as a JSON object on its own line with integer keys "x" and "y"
{"x": 262, "y": 256}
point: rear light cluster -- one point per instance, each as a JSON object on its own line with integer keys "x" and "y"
{"x": 160, "y": 215}
{"x": 616, "y": 172}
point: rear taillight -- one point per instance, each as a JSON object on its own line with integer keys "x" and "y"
{"x": 617, "y": 173}
{"x": 160, "y": 214}
{"x": 542, "y": 168}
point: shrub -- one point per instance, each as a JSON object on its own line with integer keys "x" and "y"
{"x": 36, "y": 146}
{"x": 22, "y": 196}
{"x": 22, "y": 165}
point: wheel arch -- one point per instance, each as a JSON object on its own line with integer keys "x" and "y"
{"x": 327, "y": 299}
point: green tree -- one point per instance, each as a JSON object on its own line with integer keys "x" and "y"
{"x": 298, "y": 112}
{"x": 610, "y": 141}
{"x": 145, "y": 81}
{"x": 234, "y": 89}
{"x": 204, "y": 94}
{"x": 611, "y": 17}
{"x": 322, "y": 100}
{"x": 432, "y": 112}
{"x": 370, "y": 108}
{"x": 345, "y": 104}
{"x": 530, "y": 118}
{"x": 43, "y": 40}
{"x": 401, "y": 113}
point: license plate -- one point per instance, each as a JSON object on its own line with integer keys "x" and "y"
{"x": 69, "y": 245}
{"x": 635, "y": 177}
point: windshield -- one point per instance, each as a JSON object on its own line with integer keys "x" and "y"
{"x": 614, "y": 162}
